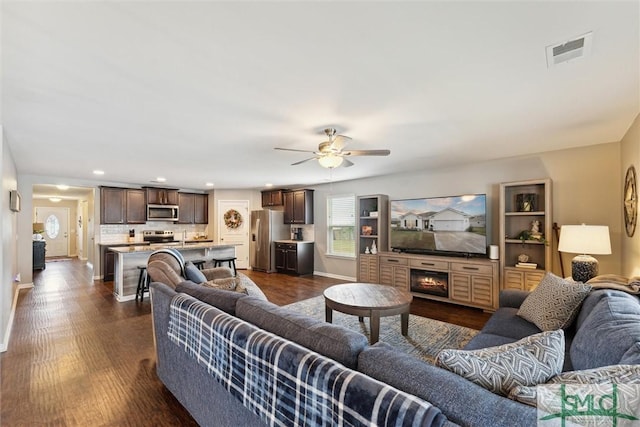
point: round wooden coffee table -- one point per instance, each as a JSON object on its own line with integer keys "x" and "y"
{"x": 369, "y": 300}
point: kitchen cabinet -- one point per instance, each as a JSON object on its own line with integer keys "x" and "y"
{"x": 193, "y": 208}
{"x": 39, "y": 251}
{"x": 298, "y": 207}
{"x": 271, "y": 198}
{"x": 521, "y": 204}
{"x": 136, "y": 206}
{"x": 122, "y": 206}
{"x": 161, "y": 196}
{"x": 108, "y": 265}
{"x": 294, "y": 258}
{"x": 112, "y": 205}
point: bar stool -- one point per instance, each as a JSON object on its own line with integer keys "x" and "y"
{"x": 217, "y": 262}
{"x": 199, "y": 263}
{"x": 143, "y": 282}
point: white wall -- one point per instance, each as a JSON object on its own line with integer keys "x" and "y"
{"x": 8, "y": 225}
{"x": 630, "y": 155}
{"x": 586, "y": 188}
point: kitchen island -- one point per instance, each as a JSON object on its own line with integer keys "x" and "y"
{"x": 128, "y": 258}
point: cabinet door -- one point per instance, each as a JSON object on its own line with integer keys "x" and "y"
{"x": 368, "y": 269}
{"x": 112, "y": 209}
{"x": 299, "y": 207}
{"x": 171, "y": 197}
{"x": 272, "y": 198}
{"x": 186, "y": 208}
{"x": 288, "y": 207}
{"x": 292, "y": 260}
{"x": 401, "y": 278}
{"x": 136, "y": 206}
{"x": 460, "y": 287}
{"x": 201, "y": 207}
{"x": 109, "y": 266}
{"x": 386, "y": 274}
{"x": 281, "y": 259}
{"x": 482, "y": 291}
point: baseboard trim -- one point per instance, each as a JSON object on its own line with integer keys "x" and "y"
{"x": 7, "y": 334}
{"x": 334, "y": 276}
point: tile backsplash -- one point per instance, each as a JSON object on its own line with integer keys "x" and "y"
{"x": 119, "y": 233}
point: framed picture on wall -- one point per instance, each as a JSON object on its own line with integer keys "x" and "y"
{"x": 14, "y": 201}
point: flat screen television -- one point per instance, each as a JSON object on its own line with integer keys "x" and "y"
{"x": 454, "y": 225}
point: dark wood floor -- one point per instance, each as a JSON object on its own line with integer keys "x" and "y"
{"x": 77, "y": 357}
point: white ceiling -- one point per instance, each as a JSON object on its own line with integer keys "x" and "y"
{"x": 203, "y": 91}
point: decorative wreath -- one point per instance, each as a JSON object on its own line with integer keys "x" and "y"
{"x": 232, "y": 219}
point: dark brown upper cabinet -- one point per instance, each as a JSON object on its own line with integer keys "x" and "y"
{"x": 298, "y": 207}
{"x": 272, "y": 198}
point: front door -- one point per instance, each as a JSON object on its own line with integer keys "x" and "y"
{"x": 233, "y": 228}
{"x": 56, "y": 229}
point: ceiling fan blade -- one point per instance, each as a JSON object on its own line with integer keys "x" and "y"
{"x": 367, "y": 153}
{"x": 302, "y": 161}
{"x": 346, "y": 163}
{"x": 339, "y": 141}
{"x": 293, "y": 149}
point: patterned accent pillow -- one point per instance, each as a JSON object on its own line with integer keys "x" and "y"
{"x": 614, "y": 374}
{"x": 530, "y": 361}
{"x": 554, "y": 303}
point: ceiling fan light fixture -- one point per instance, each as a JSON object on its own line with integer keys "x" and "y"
{"x": 330, "y": 161}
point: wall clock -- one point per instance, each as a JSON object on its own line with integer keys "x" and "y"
{"x": 630, "y": 201}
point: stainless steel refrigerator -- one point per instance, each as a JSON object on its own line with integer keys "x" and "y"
{"x": 266, "y": 227}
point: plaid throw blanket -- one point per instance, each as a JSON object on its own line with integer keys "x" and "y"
{"x": 286, "y": 384}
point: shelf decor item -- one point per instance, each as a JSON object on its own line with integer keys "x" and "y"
{"x": 367, "y": 230}
{"x": 584, "y": 240}
{"x": 526, "y": 202}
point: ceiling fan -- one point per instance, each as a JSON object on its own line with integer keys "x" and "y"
{"x": 331, "y": 153}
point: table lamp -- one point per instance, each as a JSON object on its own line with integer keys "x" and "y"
{"x": 585, "y": 240}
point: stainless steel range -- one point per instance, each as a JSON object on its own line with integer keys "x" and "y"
{"x": 157, "y": 236}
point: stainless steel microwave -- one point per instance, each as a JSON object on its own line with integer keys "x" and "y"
{"x": 162, "y": 213}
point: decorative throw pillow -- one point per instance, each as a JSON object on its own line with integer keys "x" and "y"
{"x": 554, "y": 303}
{"x": 193, "y": 273}
{"x": 614, "y": 374}
{"x": 530, "y": 361}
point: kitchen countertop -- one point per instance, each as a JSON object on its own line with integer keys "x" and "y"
{"x": 293, "y": 241}
{"x": 156, "y": 246}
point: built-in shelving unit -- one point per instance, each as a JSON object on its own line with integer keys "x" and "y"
{"x": 372, "y": 227}
{"x": 521, "y": 204}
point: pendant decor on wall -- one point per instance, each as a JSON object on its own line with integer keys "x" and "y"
{"x": 232, "y": 219}
{"x": 630, "y": 207}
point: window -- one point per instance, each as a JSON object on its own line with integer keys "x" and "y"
{"x": 52, "y": 226}
{"x": 341, "y": 225}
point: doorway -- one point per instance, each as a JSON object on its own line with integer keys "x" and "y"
{"x": 233, "y": 228}
{"x": 56, "y": 229}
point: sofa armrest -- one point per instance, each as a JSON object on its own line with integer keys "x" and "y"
{"x": 512, "y": 298}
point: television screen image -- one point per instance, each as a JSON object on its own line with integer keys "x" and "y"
{"x": 455, "y": 224}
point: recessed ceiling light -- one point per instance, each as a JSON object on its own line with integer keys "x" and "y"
{"x": 209, "y": 184}
{"x": 62, "y": 187}
{"x": 268, "y": 184}
{"x": 161, "y": 179}
{"x": 55, "y": 199}
{"x": 98, "y": 172}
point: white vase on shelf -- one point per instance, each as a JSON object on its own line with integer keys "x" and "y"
{"x": 374, "y": 249}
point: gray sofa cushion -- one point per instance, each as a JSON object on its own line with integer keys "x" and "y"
{"x": 606, "y": 333}
{"x": 224, "y": 300}
{"x": 336, "y": 342}
{"x": 506, "y": 322}
{"x": 462, "y": 401}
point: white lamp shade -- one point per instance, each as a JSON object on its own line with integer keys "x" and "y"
{"x": 585, "y": 239}
{"x": 330, "y": 161}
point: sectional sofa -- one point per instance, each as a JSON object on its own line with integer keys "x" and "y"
{"x": 218, "y": 375}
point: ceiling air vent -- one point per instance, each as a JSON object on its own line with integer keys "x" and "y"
{"x": 571, "y": 49}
